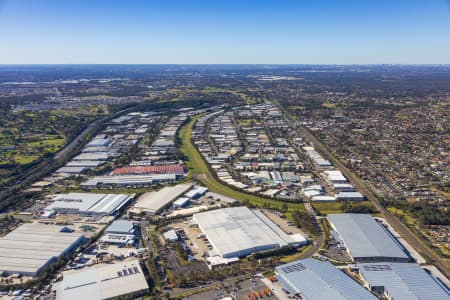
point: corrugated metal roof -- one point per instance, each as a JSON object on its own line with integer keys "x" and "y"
{"x": 316, "y": 280}
{"x": 30, "y": 246}
{"x": 365, "y": 237}
{"x": 239, "y": 231}
{"x": 121, "y": 226}
{"x": 89, "y": 202}
{"x": 102, "y": 282}
{"x": 404, "y": 281}
{"x": 154, "y": 201}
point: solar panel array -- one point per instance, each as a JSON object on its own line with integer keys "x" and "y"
{"x": 294, "y": 268}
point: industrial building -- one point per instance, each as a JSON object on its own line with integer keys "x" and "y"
{"x": 334, "y": 176}
{"x": 127, "y": 181}
{"x": 402, "y": 281}
{"x": 89, "y": 203}
{"x": 154, "y": 202}
{"x": 196, "y": 192}
{"x": 156, "y": 169}
{"x": 349, "y": 196}
{"x": 315, "y": 280}
{"x": 365, "y": 239}
{"x": 120, "y": 232}
{"x": 92, "y": 156}
{"x": 121, "y": 279}
{"x": 170, "y": 235}
{"x": 181, "y": 202}
{"x": 31, "y": 247}
{"x": 239, "y": 231}
{"x": 85, "y": 163}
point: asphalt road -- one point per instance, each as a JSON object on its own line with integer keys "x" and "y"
{"x": 401, "y": 228}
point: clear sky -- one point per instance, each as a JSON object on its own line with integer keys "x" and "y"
{"x": 222, "y": 32}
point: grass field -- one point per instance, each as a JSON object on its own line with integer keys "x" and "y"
{"x": 199, "y": 170}
{"x": 336, "y": 207}
{"x": 329, "y": 207}
{"x": 407, "y": 218}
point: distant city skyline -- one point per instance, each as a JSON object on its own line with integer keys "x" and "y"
{"x": 224, "y": 32}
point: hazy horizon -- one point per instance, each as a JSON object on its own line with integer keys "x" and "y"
{"x": 225, "y": 32}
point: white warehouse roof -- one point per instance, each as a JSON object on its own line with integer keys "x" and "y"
{"x": 403, "y": 281}
{"x": 32, "y": 246}
{"x": 366, "y": 239}
{"x": 315, "y": 280}
{"x": 104, "y": 282}
{"x": 239, "y": 231}
{"x": 89, "y": 203}
{"x": 335, "y": 176}
{"x": 153, "y": 202}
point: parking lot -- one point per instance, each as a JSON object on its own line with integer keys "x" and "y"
{"x": 336, "y": 252}
{"x": 247, "y": 289}
{"x": 194, "y": 238}
{"x": 281, "y": 222}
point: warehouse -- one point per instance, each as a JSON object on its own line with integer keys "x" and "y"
{"x": 154, "y": 202}
{"x": 89, "y": 203}
{"x": 158, "y": 169}
{"x": 122, "y": 279}
{"x": 99, "y": 142}
{"x": 127, "y": 181}
{"x": 85, "y": 163}
{"x": 314, "y": 280}
{"x": 343, "y": 187}
{"x": 181, "y": 202}
{"x": 334, "y": 176}
{"x": 365, "y": 239}
{"x": 349, "y": 196}
{"x": 31, "y": 247}
{"x": 323, "y": 198}
{"x": 196, "y": 192}
{"x": 402, "y": 281}
{"x": 92, "y": 156}
{"x": 71, "y": 170}
{"x": 239, "y": 231}
{"x": 121, "y": 232}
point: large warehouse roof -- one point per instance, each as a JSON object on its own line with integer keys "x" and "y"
{"x": 158, "y": 169}
{"x": 153, "y": 202}
{"x": 316, "y": 280}
{"x": 365, "y": 238}
{"x": 105, "y": 204}
{"x": 30, "y": 247}
{"x": 105, "y": 282}
{"x": 124, "y": 180}
{"x": 239, "y": 231}
{"x": 403, "y": 281}
{"x": 92, "y": 156}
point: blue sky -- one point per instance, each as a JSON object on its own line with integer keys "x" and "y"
{"x": 222, "y": 32}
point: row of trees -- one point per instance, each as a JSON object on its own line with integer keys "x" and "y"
{"x": 304, "y": 221}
